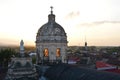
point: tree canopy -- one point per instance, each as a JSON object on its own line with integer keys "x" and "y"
{"x": 5, "y": 56}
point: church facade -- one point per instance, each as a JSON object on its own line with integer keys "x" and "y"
{"x": 21, "y": 67}
{"x": 51, "y": 42}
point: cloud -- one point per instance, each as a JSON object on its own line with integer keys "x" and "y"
{"x": 104, "y": 22}
{"x": 97, "y": 23}
{"x": 72, "y": 15}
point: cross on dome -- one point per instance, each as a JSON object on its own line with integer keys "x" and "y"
{"x": 51, "y": 10}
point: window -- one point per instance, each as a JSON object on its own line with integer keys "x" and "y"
{"x": 46, "y": 53}
{"x": 58, "y": 52}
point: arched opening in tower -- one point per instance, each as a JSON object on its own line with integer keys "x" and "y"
{"x": 46, "y": 52}
{"x": 58, "y": 52}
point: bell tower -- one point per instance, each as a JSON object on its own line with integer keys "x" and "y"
{"x": 51, "y": 42}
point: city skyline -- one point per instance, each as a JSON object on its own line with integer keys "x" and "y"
{"x": 94, "y": 21}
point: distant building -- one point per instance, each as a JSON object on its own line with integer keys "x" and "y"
{"x": 51, "y": 42}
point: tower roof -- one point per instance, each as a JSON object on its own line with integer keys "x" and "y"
{"x": 51, "y": 28}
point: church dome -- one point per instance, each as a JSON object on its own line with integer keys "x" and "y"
{"x": 51, "y": 31}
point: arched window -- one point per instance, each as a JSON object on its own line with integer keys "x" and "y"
{"x": 58, "y": 52}
{"x": 28, "y": 64}
{"x": 17, "y": 64}
{"x": 46, "y": 53}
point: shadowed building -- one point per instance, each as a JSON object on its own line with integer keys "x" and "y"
{"x": 67, "y": 72}
{"x": 51, "y": 42}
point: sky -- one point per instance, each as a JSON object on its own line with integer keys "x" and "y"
{"x": 94, "y": 21}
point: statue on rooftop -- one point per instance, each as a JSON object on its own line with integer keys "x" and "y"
{"x": 21, "y": 48}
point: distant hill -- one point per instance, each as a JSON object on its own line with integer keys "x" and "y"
{"x": 16, "y": 48}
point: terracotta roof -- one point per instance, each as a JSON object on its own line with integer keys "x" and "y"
{"x": 104, "y": 66}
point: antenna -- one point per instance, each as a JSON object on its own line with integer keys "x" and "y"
{"x": 85, "y": 39}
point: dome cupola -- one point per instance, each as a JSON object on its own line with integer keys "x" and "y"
{"x": 51, "y": 31}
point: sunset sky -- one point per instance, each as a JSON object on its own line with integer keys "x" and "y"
{"x": 96, "y": 21}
